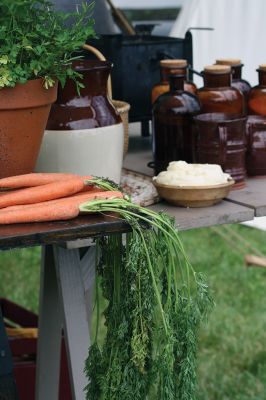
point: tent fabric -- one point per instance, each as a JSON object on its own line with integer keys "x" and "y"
{"x": 239, "y": 32}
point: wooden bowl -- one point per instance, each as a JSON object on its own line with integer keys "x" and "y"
{"x": 193, "y": 196}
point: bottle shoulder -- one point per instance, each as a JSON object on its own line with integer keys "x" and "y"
{"x": 258, "y": 89}
{"x": 217, "y": 89}
{"x": 226, "y": 93}
{"x": 177, "y": 102}
{"x": 242, "y": 85}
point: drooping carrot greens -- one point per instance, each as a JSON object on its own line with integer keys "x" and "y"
{"x": 155, "y": 304}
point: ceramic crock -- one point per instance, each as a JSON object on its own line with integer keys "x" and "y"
{"x": 84, "y": 134}
{"x": 221, "y": 139}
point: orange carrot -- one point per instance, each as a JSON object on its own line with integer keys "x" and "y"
{"x": 34, "y": 179}
{"x": 41, "y": 193}
{"x": 61, "y": 209}
{"x": 82, "y": 195}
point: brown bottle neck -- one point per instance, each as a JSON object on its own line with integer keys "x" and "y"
{"x": 177, "y": 83}
{"x": 217, "y": 80}
{"x": 237, "y": 71}
{"x": 167, "y": 72}
{"x": 262, "y": 77}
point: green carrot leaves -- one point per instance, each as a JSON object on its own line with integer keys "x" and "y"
{"x": 155, "y": 304}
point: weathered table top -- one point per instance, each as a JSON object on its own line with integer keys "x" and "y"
{"x": 252, "y": 196}
{"x": 241, "y": 205}
{"x": 191, "y": 218}
{"x": 226, "y": 212}
{"x": 24, "y": 235}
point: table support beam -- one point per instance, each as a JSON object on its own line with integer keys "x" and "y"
{"x": 50, "y": 330}
{"x": 65, "y": 302}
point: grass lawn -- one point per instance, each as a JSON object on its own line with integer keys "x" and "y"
{"x": 232, "y": 356}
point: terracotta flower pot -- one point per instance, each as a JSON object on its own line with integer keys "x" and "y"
{"x": 24, "y": 112}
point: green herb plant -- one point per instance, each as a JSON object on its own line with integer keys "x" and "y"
{"x": 155, "y": 303}
{"x": 38, "y": 42}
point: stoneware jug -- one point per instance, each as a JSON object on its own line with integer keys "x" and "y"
{"x": 84, "y": 134}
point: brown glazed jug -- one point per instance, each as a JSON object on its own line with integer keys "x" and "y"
{"x": 172, "y": 67}
{"x": 256, "y": 145}
{"x": 84, "y": 133}
{"x": 241, "y": 84}
{"x": 221, "y": 140}
{"x": 257, "y": 95}
{"x": 173, "y": 125}
{"x": 218, "y": 95}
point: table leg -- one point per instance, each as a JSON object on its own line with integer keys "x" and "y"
{"x": 76, "y": 320}
{"x": 50, "y": 331}
{"x": 87, "y": 266}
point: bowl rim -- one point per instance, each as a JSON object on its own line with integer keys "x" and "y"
{"x": 230, "y": 182}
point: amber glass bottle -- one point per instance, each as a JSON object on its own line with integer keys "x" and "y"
{"x": 173, "y": 125}
{"x": 218, "y": 95}
{"x": 237, "y": 81}
{"x": 257, "y": 95}
{"x": 168, "y": 68}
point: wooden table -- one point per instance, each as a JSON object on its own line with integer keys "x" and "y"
{"x": 67, "y": 278}
{"x": 226, "y": 212}
{"x": 65, "y": 296}
{"x": 252, "y": 196}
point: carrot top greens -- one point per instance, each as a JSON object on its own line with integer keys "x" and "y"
{"x": 155, "y": 304}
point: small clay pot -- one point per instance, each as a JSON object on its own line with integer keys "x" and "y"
{"x": 24, "y": 111}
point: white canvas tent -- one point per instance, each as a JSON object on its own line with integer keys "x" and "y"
{"x": 239, "y": 32}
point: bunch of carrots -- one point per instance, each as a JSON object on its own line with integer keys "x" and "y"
{"x": 39, "y": 197}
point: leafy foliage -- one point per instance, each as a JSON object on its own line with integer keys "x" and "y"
{"x": 38, "y": 42}
{"x": 155, "y": 303}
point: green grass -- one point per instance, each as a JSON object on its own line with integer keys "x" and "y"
{"x": 20, "y": 276}
{"x": 232, "y": 346}
{"x": 232, "y": 357}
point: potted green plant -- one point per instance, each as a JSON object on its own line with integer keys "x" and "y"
{"x": 36, "y": 48}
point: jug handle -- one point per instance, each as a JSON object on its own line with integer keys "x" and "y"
{"x": 223, "y": 144}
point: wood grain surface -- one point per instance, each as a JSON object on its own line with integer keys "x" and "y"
{"x": 252, "y": 196}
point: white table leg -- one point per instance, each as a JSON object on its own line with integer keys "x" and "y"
{"x": 50, "y": 331}
{"x": 87, "y": 266}
{"x": 76, "y": 320}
